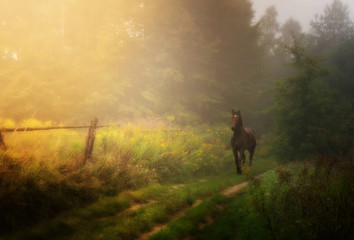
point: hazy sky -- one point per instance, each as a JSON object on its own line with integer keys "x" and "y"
{"x": 302, "y": 10}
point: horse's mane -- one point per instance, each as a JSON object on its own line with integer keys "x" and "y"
{"x": 240, "y": 119}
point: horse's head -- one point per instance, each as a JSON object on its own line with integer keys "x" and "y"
{"x": 236, "y": 119}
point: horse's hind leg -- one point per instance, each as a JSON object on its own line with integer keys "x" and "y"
{"x": 251, "y": 155}
{"x": 243, "y": 157}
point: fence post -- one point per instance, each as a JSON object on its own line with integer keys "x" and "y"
{"x": 90, "y": 140}
{"x": 2, "y": 143}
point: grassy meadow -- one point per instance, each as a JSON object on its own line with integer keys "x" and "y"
{"x": 294, "y": 201}
{"x": 161, "y": 183}
{"x": 43, "y": 175}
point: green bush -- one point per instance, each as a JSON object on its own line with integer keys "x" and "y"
{"x": 313, "y": 203}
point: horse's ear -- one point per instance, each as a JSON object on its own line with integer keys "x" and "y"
{"x": 239, "y": 111}
{"x": 233, "y": 111}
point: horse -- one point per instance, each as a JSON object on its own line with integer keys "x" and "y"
{"x": 243, "y": 139}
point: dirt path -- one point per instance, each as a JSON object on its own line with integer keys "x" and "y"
{"x": 159, "y": 227}
{"x": 236, "y": 188}
{"x": 227, "y": 192}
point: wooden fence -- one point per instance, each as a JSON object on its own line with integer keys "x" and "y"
{"x": 90, "y": 138}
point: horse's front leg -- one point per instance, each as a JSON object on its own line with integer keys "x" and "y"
{"x": 243, "y": 156}
{"x": 237, "y": 161}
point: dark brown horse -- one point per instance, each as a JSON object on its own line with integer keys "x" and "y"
{"x": 243, "y": 139}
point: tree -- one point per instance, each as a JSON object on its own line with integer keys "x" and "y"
{"x": 235, "y": 59}
{"x": 333, "y": 27}
{"x": 66, "y": 60}
{"x": 274, "y": 39}
{"x": 175, "y": 60}
{"x": 269, "y": 28}
{"x": 303, "y": 104}
{"x": 203, "y": 54}
{"x": 121, "y": 59}
{"x": 290, "y": 30}
{"x": 342, "y": 62}
{"x": 332, "y": 36}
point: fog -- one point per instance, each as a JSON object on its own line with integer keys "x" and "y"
{"x": 185, "y": 62}
{"x": 302, "y": 10}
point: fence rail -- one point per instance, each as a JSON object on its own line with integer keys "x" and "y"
{"x": 28, "y": 129}
{"x": 89, "y": 143}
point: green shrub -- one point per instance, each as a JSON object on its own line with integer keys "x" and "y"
{"x": 313, "y": 203}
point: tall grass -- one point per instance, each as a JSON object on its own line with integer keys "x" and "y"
{"x": 295, "y": 201}
{"x": 42, "y": 172}
{"x": 313, "y": 202}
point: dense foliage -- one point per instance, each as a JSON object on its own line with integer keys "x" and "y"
{"x": 312, "y": 118}
{"x": 187, "y": 60}
{"x": 312, "y": 110}
{"x": 309, "y": 203}
{"x": 307, "y": 117}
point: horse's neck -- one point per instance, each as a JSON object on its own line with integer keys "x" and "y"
{"x": 240, "y": 130}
